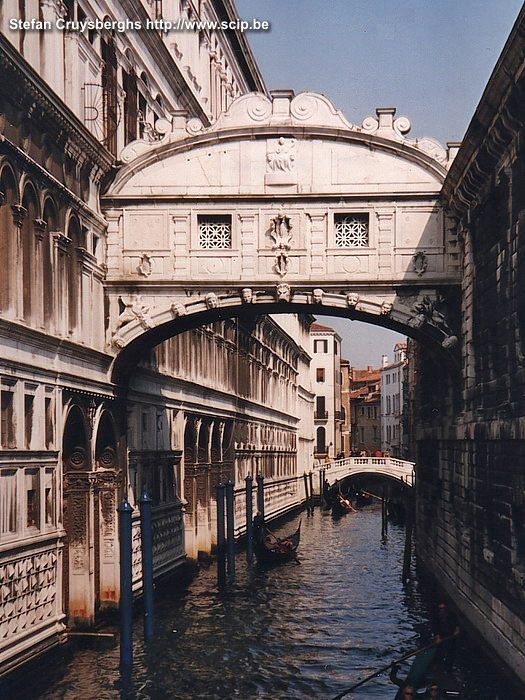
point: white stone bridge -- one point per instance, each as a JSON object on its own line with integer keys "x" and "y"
{"x": 388, "y": 467}
{"x": 280, "y": 206}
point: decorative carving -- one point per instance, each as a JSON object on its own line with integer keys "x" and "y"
{"x": 281, "y": 263}
{"x": 420, "y": 263}
{"x": 177, "y": 309}
{"x": 281, "y": 232}
{"x": 283, "y": 292}
{"x": 425, "y": 311}
{"x": 247, "y": 296}
{"x": 282, "y": 157}
{"x": 40, "y": 228}
{"x": 19, "y": 214}
{"x": 134, "y": 309}
{"x": 317, "y": 296}
{"x": 352, "y": 299}
{"x": 211, "y": 300}
{"x": 28, "y": 587}
{"x": 386, "y": 308}
{"x": 144, "y": 267}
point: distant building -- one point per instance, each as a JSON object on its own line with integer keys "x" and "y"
{"x": 326, "y": 384}
{"x": 364, "y": 408}
{"x": 392, "y": 401}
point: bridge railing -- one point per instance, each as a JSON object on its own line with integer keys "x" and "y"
{"x": 399, "y": 469}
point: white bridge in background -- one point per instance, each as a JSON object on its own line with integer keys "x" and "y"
{"x": 389, "y": 467}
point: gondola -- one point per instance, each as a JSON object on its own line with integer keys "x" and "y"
{"x": 425, "y": 671}
{"x": 341, "y": 506}
{"x": 269, "y": 548}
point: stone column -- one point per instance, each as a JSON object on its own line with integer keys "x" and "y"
{"x": 38, "y": 308}
{"x": 317, "y": 244}
{"x": 385, "y": 243}
{"x": 248, "y": 246}
{"x": 19, "y": 213}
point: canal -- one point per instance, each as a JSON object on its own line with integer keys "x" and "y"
{"x": 305, "y": 630}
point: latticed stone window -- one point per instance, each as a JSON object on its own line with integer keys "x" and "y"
{"x": 351, "y": 230}
{"x": 215, "y": 231}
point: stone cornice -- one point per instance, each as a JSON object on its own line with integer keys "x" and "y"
{"x": 164, "y": 61}
{"x": 25, "y": 88}
{"x": 498, "y": 117}
{"x": 226, "y": 11}
{"x": 44, "y": 176}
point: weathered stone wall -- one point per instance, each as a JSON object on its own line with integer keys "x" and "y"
{"x": 471, "y": 438}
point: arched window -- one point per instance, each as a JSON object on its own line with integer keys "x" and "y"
{"x": 74, "y": 274}
{"x": 204, "y": 441}
{"x": 51, "y": 219}
{"x": 8, "y": 248}
{"x": 27, "y": 233}
{"x": 190, "y": 447}
{"x": 105, "y": 446}
{"x": 76, "y": 455}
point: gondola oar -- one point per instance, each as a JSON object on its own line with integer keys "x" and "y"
{"x": 385, "y": 668}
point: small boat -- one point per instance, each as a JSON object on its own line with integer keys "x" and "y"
{"x": 425, "y": 671}
{"x": 341, "y": 505}
{"x": 269, "y": 548}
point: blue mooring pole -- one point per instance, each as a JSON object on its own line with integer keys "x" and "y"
{"x": 230, "y": 527}
{"x": 260, "y": 494}
{"x": 249, "y": 518}
{"x": 126, "y": 593}
{"x": 221, "y": 540}
{"x": 146, "y": 539}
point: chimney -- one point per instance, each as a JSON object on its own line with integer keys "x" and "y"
{"x": 384, "y": 360}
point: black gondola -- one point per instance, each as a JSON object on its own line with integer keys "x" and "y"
{"x": 269, "y": 548}
{"x": 341, "y": 506}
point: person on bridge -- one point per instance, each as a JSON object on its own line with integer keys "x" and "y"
{"x": 378, "y": 453}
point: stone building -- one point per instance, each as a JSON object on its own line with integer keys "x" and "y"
{"x": 471, "y": 437}
{"x": 364, "y": 408}
{"x": 326, "y": 382}
{"x": 224, "y": 400}
{"x": 392, "y": 406}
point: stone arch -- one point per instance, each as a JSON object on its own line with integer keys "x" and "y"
{"x": 389, "y": 309}
{"x": 50, "y": 217}
{"x": 106, "y": 442}
{"x": 8, "y": 240}
{"x": 75, "y": 444}
{"x": 216, "y": 451}
{"x": 74, "y": 287}
{"x": 30, "y": 213}
{"x": 203, "y": 443}
{"x": 190, "y": 442}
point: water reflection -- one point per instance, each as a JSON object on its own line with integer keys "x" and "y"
{"x": 294, "y": 631}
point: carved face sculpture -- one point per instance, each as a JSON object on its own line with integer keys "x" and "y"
{"x": 352, "y": 299}
{"x": 386, "y": 308}
{"x": 449, "y": 342}
{"x": 211, "y": 300}
{"x": 317, "y": 296}
{"x": 247, "y": 296}
{"x": 284, "y": 293}
{"x": 177, "y": 309}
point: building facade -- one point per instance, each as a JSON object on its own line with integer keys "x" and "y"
{"x": 392, "y": 407}
{"x": 224, "y": 400}
{"x": 364, "y": 399}
{"x": 327, "y": 383}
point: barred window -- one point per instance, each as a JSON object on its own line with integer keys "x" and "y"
{"x": 215, "y": 231}
{"x": 351, "y": 230}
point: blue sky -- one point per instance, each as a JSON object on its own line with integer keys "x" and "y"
{"x": 429, "y": 58}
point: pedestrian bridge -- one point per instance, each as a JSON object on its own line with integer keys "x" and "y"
{"x": 281, "y": 206}
{"x": 389, "y": 467}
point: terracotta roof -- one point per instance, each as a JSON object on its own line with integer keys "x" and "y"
{"x": 320, "y": 327}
